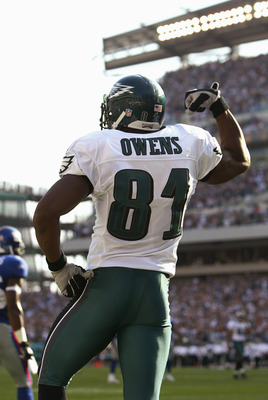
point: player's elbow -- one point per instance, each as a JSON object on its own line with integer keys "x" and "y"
{"x": 244, "y": 165}
{"x": 239, "y": 168}
{"x": 228, "y": 169}
{"x": 43, "y": 218}
{"x": 237, "y": 165}
{"x": 247, "y": 163}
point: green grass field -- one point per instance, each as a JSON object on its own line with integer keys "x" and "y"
{"x": 190, "y": 384}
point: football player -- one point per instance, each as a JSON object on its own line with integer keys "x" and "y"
{"x": 238, "y": 329}
{"x": 141, "y": 175}
{"x": 113, "y": 361}
{"x": 15, "y": 351}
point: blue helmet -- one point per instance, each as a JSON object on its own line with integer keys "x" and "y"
{"x": 11, "y": 241}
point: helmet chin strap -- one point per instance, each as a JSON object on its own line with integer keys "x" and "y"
{"x": 119, "y": 119}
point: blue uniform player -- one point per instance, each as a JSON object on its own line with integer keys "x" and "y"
{"x": 16, "y": 354}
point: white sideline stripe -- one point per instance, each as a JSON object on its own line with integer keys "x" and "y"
{"x": 65, "y": 315}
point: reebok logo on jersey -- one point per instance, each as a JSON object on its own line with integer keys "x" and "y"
{"x": 150, "y": 146}
{"x": 118, "y": 89}
{"x": 66, "y": 162}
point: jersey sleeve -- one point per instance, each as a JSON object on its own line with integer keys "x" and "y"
{"x": 79, "y": 159}
{"x": 210, "y": 155}
{"x": 70, "y": 163}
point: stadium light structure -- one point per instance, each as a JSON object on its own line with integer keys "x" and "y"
{"x": 212, "y": 21}
{"x": 224, "y": 25}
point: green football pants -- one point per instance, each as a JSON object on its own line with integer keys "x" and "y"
{"x": 128, "y": 302}
{"x": 239, "y": 350}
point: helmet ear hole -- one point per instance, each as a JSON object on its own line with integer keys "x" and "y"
{"x": 134, "y": 102}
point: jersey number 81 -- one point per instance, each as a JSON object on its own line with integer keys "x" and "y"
{"x": 130, "y": 212}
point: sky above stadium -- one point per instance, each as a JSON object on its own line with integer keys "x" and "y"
{"x": 53, "y": 77}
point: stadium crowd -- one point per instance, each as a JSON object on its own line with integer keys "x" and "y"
{"x": 234, "y": 77}
{"x": 242, "y": 201}
{"x": 201, "y": 308}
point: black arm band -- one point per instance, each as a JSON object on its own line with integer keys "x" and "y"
{"x": 218, "y": 107}
{"x": 59, "y": 264}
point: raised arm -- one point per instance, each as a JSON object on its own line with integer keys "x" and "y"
{"x": 236, "y": 157}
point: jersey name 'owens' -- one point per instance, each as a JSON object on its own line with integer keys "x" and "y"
{"x": 151, "y": 146}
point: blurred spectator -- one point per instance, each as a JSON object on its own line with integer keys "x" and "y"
{"x": 201, "y": 307}
{"x": 233, "y": 76}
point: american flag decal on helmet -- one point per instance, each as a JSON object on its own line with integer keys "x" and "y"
{"x": 157, "y": 108}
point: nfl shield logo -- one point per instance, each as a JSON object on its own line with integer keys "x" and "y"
{"x": 128, "y": 112}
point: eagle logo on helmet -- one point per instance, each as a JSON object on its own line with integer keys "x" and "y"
{"x": 119, "y": 89}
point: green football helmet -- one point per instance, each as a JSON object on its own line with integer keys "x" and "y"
{"x": 134, "y": 102}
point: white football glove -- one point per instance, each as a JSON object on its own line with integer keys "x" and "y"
{"x": 72, "y": 279}
{"x": 197, "y": 100}
{"x": 26, "y": 351}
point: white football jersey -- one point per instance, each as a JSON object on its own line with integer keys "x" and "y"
{"x": 142, "y": 184}
{"x": 238, "y": 329}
